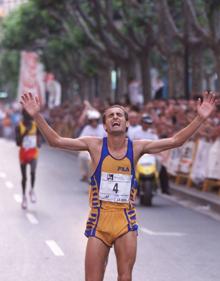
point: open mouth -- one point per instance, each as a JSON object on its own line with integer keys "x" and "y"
{"x": 116, "y": 124}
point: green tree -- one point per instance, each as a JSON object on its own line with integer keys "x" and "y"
{"x": 9, "y": 69}
{"x": 81, "y": 41}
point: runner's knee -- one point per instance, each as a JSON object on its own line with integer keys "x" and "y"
{"x": 124, "y": 277}
{"x": 24, "y": 179}
{"x": 96, "y": 277}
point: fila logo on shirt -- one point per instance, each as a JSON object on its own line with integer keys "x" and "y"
{"x": 123, "y": 169}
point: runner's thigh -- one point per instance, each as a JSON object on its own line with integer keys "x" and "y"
{"x": 96, "y": 259}
{"x": 23, "y": 170}
{"x": 33, "y": 165}
{"x": 125, "y": 251}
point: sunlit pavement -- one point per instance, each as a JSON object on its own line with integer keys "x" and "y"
{"x": 46, "y": 242}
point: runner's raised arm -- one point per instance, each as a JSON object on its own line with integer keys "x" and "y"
{"x": 204, "y": 110}
{"x": 32, "y": 105}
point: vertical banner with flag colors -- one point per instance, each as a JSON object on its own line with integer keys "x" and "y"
{"x": 31, "y": 77}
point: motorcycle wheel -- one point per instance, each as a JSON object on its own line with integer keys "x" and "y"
{"x": 147, "y": 193}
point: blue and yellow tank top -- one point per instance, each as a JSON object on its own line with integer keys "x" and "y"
{"x": 113, "y": 183}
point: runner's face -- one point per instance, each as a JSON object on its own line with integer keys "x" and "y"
{"x": 115, "y": 122}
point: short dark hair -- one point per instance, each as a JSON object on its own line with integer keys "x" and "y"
{"x": 115, "y": 106}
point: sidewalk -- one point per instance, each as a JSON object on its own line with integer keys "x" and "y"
{"x": 199, "y": 197}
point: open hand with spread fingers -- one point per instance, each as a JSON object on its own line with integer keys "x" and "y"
{"x": 30, "y": 103}
{"x": 207, "y": 106}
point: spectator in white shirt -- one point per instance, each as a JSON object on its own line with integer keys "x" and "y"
{"x": 146, "y": 130}
{"x": 92, "y": 129}
{"x": 133, "y": 118}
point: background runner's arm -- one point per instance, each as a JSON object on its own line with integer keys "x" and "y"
{"x": 39, "y": 138}
{"x": 18, "y": 137}
{"x": 32, "y": 105}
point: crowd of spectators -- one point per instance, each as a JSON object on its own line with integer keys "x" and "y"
{"x": 68, "y": 119}
{"x": 10, "y": 115}
{"x": 153, "y": 120}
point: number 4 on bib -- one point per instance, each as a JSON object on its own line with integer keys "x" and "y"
{"x": 115, "y": 188}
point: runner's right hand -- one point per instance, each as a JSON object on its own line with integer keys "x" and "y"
{"x": 30, "y": 103}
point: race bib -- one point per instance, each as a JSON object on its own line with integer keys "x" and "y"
{"x": 115, "y": 187}
{"x": 29, "y": 142}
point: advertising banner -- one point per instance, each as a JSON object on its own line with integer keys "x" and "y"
{"x": 200, "y": 163}
{"x": 213, "y": 170}
{"x": 31, "y": 77}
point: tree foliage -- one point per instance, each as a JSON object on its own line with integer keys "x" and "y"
{"x": 9, "y": 69}
{"x": 77, "y": 39}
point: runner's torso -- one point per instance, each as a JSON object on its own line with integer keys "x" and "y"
{"x": 113, "y": 183}
{"x": 29, "y": 140}
{"x": 28, "y": 148}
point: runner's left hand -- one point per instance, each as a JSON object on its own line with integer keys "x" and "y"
{"x": 207, "y": 106}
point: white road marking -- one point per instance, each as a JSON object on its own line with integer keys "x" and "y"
{"x": 153, "y": 233}
{"x": 9, "y": 184}
{"x": 17, "y": 198}
{"x": 2, "y": 175}
{"x": 32, "y": 219}
{"x": 54, "y": 248}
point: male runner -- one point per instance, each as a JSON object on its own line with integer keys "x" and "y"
{"x": 27, "y": 138}
{"x": 112, "y": 220}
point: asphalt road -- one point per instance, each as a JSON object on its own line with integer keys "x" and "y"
{"x": 46, "y": 242}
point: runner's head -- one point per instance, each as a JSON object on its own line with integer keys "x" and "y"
{"x": 115, "y": 120}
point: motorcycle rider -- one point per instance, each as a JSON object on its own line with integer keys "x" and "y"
{"x": 146, "y": 131}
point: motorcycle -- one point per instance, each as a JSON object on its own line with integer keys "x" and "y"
{"x": 147, "y": 177}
